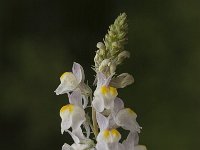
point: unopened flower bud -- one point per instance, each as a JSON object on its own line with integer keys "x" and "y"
{"x": 104, "y": 64}
{"x": 115, "y": 44}
{"x": 112, "y": 68}
{"x": 123, "y": 55}
{"x": 122, "y": 80}
{"x": 102, "y": 52}
{"x": 100, "y": 45}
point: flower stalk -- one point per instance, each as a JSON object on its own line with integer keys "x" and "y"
{"x": 94, "y": 121}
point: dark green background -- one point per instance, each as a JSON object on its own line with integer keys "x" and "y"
{"x": 40, "y": 39}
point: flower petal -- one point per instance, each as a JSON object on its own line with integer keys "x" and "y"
{"x": 101, "y": 146}
{"x": 126, "y": 118}
{"x": 108, "y": 94}
{"x": 131, "y": 140}
{"x": 72, "y": 116}
{"x": 116, "y": 136}
{"x": 66, "y": 124}
{"x": 80, "y": 146}
{"x": 109, "y": 136}
{"x": 118, "y": 105}
{"x": 78, "y": 71}
{"x": 122, "y": 80}
{"x": 62, "y": 89}
{"x": 102, "y": 121}
{"x": 109, "y": 103}
{"x": 115, "y": 146}
{"x": 78, "y": 117}
{"x": 66, "y": 116}
{"x": 68, "y": 83}
{"x": 112, "y": 123}
{"x": 107, "y": 81}
{"x": 98, "y": 104}
{"x": 75, "y": 98}
{"x": 79, "y": 133}
{"x": 101, "y": 78}
{"x": 74, "y": 137}
{"x": 103, "y": 136}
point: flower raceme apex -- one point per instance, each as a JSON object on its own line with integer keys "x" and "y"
{"x": 93, "y": 118}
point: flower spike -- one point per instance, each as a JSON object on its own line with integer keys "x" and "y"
{"x": 100, "y": 131}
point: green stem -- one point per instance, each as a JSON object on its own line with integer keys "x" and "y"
{"x": 94, "y": 120}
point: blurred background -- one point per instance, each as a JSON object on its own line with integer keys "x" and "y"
{"x": 40, "y": 39}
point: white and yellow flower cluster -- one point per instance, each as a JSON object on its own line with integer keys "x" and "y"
{"x": 108, "y": 111}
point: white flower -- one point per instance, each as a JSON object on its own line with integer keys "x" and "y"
{"x": 76, "y": 100}
{"x": 104, "y": 94}
{"x": 107, "y": 138}
{"x": 72, "y": 80}
{"x": 72, "y": 116}
{"x": 125, "y": 117}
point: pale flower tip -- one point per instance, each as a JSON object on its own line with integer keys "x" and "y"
{"x": 57, "y": 91}
{"x": 61, "y": 89}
